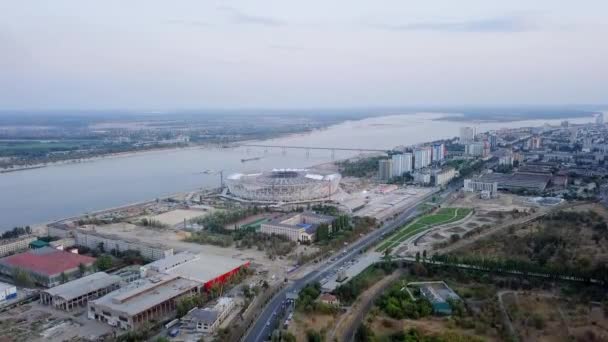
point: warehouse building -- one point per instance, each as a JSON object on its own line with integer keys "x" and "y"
{"x": 518, "y": 181}
{"x": 206, "y": 270}
{"x": 298, "y": 227}
{"x": 144, "y": 300}
{"x": 46, "y": 266}
{"x": 79, "y": 292}
{"x": 93, "y": 240}
{"x": 10, "y": 246}
{"x": 7, "y": 291}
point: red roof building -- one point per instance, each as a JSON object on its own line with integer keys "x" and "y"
{"x": 46, "y": 266}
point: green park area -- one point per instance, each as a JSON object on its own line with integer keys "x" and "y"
{"x": 441, "y": 216}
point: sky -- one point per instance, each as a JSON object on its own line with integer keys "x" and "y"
{"x": 162, "y": 55}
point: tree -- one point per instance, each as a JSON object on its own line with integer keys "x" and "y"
{"x": 104, "y": 262}
{"x": 322, "y": 233}
{"x": 313, "y": 336}
{"x": 82, "y": 269}
{"x": 364, "y": 334}
{"x": 22, "y": 278}
{"x": 388, "y": 258}
{"x": 101, "y": 248}
{"x": 64, "y": 277}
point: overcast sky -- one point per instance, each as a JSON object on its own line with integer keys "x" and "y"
{"x": 148, "y": 54}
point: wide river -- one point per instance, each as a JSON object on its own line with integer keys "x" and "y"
{"x": 55, "y": 192}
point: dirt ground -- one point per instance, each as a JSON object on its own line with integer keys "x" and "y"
{"x": 174, "y": 239}
{"x": 543, "y": 317}
{"x": 383, "y": 325}
{"x": 177, "y": 216}
{"x": 37, "y": 322}
{"x": 317, "y": 322}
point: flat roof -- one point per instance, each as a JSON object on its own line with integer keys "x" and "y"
{"x": 204, "y": 315}
{"x": 205, "y": 268}
{"x": 84, "y": 285}
{"x": 5, "y": 286}
{"x": 146, "y": 293}
{"x": 46, "y": 260}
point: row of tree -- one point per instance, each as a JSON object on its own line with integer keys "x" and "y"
{"x": 554, "y": 271}
{"x": 16, "y": 232}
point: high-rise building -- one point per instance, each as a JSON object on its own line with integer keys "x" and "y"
{"x": 534, "y": 143}
{"x": 599, "y": 119}
{"x": 467, "y": 135}
{"x": 474, "y": 149}
{"x": 385, "y": 169}
{"x": 422, "y": 157}
{"x": 493, "y": 139}
{"x": 438, "y": 152}
{"x": 402, "y": 163}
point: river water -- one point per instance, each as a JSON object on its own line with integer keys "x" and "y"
{"x": 55, "y": 192}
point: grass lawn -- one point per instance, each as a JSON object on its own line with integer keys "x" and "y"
{"x": 441, "y": 216}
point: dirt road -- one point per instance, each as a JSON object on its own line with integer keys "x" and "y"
{"x": 347, "y": 324}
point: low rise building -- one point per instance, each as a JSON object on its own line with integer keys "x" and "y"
{"x": 297, "y": 226}
{"x": 79, "y": 292}
{"x": 46, "y": 266}
{"x": 422, "y": 177}
{"x": 207, "y": 320}
{"x": 10, "y": 246}
{"x": 329, "y": 299}
{"x": 444, "y": 176}
{"x": 93, "y": 240}
{"x": 487, "y": 189}
{"x": 7, "y": 291}
{"x": 144, "y": 300}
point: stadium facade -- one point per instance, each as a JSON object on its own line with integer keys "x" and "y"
{"x": 284, "y": 185}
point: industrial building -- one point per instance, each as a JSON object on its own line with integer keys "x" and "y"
{"x": 284, "y": 185}
{"x": 297, "y": 226}
{"x": 402, "y": 163}
{"x": 7, "y": 291}
{"x": 144, "y": 300}
{"x": 518, "y": 181}
{"x": 385, "y": 169}
{"x": 206, "y": 270}
{"x": 207, "y": 320}
{"x": 46, "y": 266}
{"x": 10, "y": 246}
{"x": 423, "y": 157}
{"x": 79, "y": 292}
{"x": 93, "y": 240}
{"x": 487, "y": 189}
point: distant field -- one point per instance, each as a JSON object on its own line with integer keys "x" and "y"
{"x": 441, "y": 216}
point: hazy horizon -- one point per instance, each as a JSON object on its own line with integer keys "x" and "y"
{"x": 239, "y": 55}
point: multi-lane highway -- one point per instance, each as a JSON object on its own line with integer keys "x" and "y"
{"x": 269, "y": 319}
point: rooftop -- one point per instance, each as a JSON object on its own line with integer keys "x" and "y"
{"x": 5, "y": 286}
{"x": 146, "y": 293}
{"x": 84, "y": 285}
{"x": 201, "y": 268}
{"x": 46, "y": 260}
{"x": 204, "y": 315}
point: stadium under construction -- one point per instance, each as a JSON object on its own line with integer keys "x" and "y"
{"x": 283, "y": 186}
